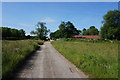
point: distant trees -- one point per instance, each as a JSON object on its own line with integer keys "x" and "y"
{"x": 66, "y": 30}
{"x": 91, "y": 31}
{"x": 109, "y": 30}
{"x": 111, "y": 25}
{"x": 14, "y": 34}
{"x": 41, "y": 30}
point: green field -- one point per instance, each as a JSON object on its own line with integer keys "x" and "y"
{"x": 14, "y": 52}
{"x": 96, "y": 59}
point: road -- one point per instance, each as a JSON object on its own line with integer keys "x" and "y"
{"x": 47, "y": 62}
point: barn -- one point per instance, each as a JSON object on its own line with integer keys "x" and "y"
{"x": 87, "y": 36}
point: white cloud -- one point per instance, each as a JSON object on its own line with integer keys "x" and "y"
{"x": 26, "y": 25}
{"x": 47, "y": 20}
{"x": 30, "y": 34}
{"x": 27, "y": 34}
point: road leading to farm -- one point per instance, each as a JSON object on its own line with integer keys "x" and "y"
{"x": 49, "y": 63}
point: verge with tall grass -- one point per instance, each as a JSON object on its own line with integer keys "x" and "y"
{"x": 96, "y": 59}
{"x": 15, "y": 52}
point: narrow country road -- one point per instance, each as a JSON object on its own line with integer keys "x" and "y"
{"x": 49, "y": 63}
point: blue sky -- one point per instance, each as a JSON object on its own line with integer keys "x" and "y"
{"x": 25, "y": 15}
{"x": 60, "y": 0}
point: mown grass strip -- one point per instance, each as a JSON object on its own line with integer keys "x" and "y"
{"x": 14, "y": 53}
{"x": 98, "y": 59}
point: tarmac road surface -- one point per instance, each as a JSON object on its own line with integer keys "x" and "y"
{"x": 47, "y": 62}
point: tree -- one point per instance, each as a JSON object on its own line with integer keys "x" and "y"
{"x": 84, "y": 32}
{"x": 62, "y": 29}
{"x": 111, "y": 25}
{"x": 52, "y": 35}
{"x": 71, "y": 30}
{"x": 91, "y": 31}
{"x": 41, "y": 30}
{"x": 57, "y": 34}
{"x": 22, "y": 33}
{"x": 66, "y": 30}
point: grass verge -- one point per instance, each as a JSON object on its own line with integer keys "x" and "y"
{"x": 96, "y": 59}
{"x": 14, "y": 53}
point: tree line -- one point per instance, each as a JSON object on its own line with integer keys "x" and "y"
{"x": 15, "y": 34}
{"x": 67, "y": 30}
{"x": 109, "y": 30}
{"x": 12, "y": 34}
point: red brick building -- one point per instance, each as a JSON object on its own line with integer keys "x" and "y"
{"x": 87, "y": 36}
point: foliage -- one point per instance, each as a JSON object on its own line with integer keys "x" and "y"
{"x": 111, "y": 25}
{"x": 41, "y": 30}
{"x": 14, "y": 52}
{"x": 96, "y": 59}
{"x": 66, "y": 30}
{"x": 91, "y": 31}
{"x": 12, "y": 34}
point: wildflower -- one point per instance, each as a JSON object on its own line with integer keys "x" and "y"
{"x": 16, "y": 49}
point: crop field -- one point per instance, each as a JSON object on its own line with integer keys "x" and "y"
{"x": 96, "y": 59}
{"x": 14, "y": 52}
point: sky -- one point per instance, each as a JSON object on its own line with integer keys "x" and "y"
{"x": 60, "y": 0}
{"x": 25, "y": 15}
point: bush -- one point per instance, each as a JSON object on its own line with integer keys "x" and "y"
{"x": 89, "y": 40}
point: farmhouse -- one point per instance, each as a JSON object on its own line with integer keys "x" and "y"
{"x": 87, "y": 36}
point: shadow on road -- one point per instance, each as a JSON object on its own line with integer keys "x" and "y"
{"x": 26, "y": 64}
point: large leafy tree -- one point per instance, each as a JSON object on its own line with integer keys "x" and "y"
{"x": 66, "y": 30}
{"x": 111, "y": 25}
{"x": 62, "y": 30}
{"x": 71, "y": 30}
{"x": 41, "y": 30}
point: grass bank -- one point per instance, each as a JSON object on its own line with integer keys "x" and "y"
{"x": 96, "y": 59}
{"x": 14, "y": 52}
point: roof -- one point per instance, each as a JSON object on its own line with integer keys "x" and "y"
{"x": 87, "y": 36}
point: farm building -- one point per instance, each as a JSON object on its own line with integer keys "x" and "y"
{"x": 87, "y": 36}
